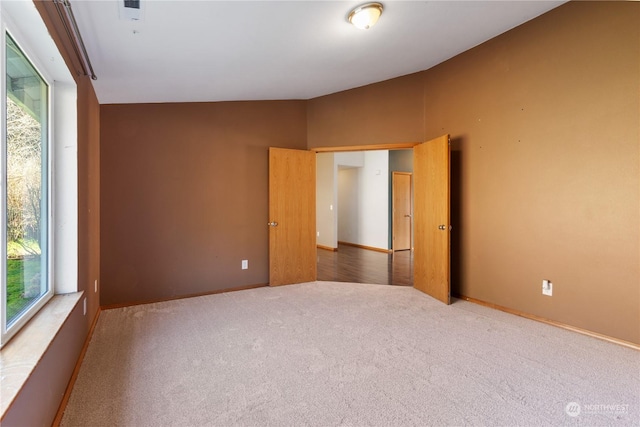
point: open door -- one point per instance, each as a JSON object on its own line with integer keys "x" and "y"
{"x": 401, "y": 211}
{"x": 431, "y": 218}
{"x": 292, "y": 216}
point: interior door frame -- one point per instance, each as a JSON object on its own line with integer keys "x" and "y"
{"x": 369, "y": 147}
{"x": 392, "y": 146}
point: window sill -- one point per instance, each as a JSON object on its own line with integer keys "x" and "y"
{"x": 20, "y": 356}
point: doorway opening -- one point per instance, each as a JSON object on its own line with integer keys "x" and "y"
{"x": 356, "y": 203}
{"x": 292, "y": 238}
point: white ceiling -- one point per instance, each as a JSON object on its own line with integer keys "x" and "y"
{"x": 187, "y": 51}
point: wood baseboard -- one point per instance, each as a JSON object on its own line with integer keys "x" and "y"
{"x": 369, "y": 248}
{"x": 552, "y": 322}
{"x": 74, "y": 374}
{"x": 220, "y": 291}
{"x": 327, "y": 248}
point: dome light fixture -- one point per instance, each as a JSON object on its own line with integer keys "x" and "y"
{"x": 365, "y": 16}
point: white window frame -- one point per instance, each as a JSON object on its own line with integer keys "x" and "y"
{"x": 24, "y": 24}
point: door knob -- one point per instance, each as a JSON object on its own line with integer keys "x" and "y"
{"x": 442, "y": 227}
{"x": 407, "y": 216}
{"x": 272, "y": 224}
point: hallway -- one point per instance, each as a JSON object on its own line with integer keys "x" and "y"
{"x": 357, "y": 265}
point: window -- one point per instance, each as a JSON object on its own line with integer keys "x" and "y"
{"x": 25, "y": 264}
{"x": 38, "y": 169}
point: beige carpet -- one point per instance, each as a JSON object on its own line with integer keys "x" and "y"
{"x": 336, "y": 354}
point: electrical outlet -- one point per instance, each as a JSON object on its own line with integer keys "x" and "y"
{"x": 547, "y": 287}
{"x": 84, "y": 307}
{"x": 317, "y": 234}
{"x": 95, "y": 285}
{"x": 245, "y": 264}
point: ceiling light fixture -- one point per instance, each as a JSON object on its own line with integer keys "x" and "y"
{"x": 366, "y": 15}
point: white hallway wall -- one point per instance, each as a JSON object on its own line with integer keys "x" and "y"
{"x": 363, "y": 198}
{"x": 348, "y": 212}
{"x": 348, "y": 206}
{"x": 326, "y": 200}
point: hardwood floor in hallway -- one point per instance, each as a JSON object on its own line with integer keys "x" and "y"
{"x": 357, "y": 265}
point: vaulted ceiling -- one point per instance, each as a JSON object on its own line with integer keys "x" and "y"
{"x": 189, "y": 51}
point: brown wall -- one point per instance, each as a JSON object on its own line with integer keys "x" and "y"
{"x": 38, "y": 401}
{"x": 545, "y": 183}
{"x": 387, "y": 112}
{"x": 184, "y": 195}
{"x": 47, "y": 383}
{"x": 545, "y": 121}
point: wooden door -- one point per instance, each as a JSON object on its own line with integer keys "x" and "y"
{"x": 292, "y": 216}
{"x": 431, "y": 218}
{"x": 402, "y": 212}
